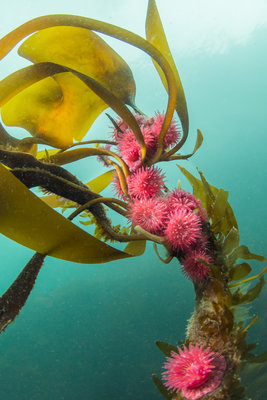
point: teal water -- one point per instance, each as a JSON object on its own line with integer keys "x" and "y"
{"x": 88, "y": 331}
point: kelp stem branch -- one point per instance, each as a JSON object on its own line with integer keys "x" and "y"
{"x": 105, "y": 200}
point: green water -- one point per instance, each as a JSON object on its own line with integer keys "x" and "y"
{"x": 88, "y": 331}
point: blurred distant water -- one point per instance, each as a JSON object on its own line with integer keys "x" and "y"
{"x": 88, "y": 331}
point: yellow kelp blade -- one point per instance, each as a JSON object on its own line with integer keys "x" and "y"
{"x": 25, "y": 77}
{"x": 57, "y": 110}
{"x": 136, "y": 248}
{"x": 155, "y": 34}
{"x": 27, "y": 220}
{"x": 63, "y": 108}
{"x": 101, "y": 182}
{"x": 85, "y": 52}
{"x": 96, "y": 185}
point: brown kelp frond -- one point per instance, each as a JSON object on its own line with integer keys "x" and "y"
{"x": 83, "y": 143}
{"x": 252, "y": 322}
{"x": 12, "y": 301}
{"x": 155, "y": 34}
{"x": 114, "y": 123}
{"x": 215, "y": 201}
{"x": 167, "y": 394}
{"x": 6, "y": 140}
{"x": 238, "y": 297}
{"x": 248, "y": 279}
{"x": 169, "y": 157}
{"x": 15, "y": 159}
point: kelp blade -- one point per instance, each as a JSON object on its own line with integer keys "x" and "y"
{"x": 136, "y": 248}
{"x": 64, "y": 106}
{"x": 166, "y": 348}
{"x": 238, "y": 298}
{"x": 231, "y": 241}
{"x": 43, "y": 112}
{"x": 101, "y": 182}
{"x": 207, "y": 194}
{"x": 155, "y": 34}
{"x": 25, "y": 77}
{"x": 27, "y": 220}
{"x": 83, "y": 51}
{"x": 162, "y": 389}
{"x": 239, "y": 271}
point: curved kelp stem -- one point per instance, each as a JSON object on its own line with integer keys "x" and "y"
{"x": 17, "y": 294}
{"x": 104, "y": 200}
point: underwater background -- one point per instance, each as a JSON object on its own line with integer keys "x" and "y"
{"x": 89, "y": 331}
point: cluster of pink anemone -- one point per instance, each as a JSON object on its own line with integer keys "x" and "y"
{"x": 194, "y": 371}
{"x": 176, "y": 215}
{"x": 128, "y": 146}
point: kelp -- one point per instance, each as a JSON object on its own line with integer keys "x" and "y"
{"x": 12, "y": 301}
{"x": 170, "y": 157}
{"x": 19, "y": 80}
{"x": 50, "y": 233}
{"x": 214, "y": 201}
{"x": 166, "y": 348}
{"x": 96, "y": 185}
{"x": 231, "y": 241}
{"x": 239, "y": 298}
{"x": 161, "y": 388}
{"x": 11, "y": 39}
{"x": 239, "y": 271}
{"x": 155, "y": 34}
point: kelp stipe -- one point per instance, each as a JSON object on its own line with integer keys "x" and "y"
{"x": 57, "y": 99}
